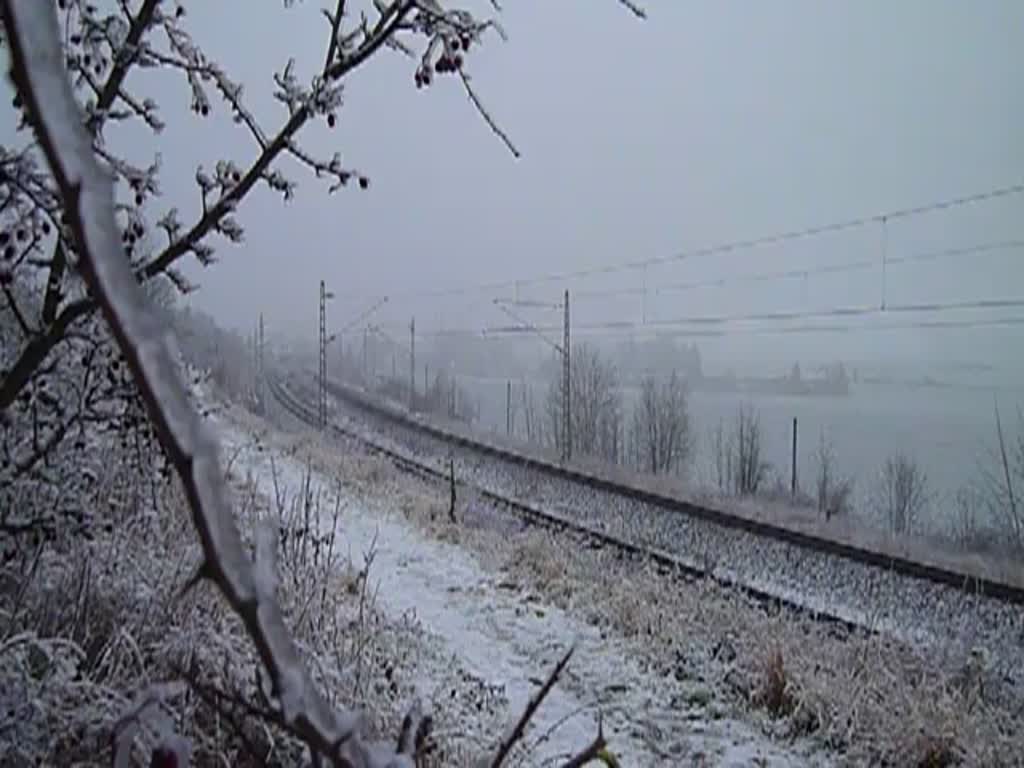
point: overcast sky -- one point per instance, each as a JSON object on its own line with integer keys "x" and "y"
{"x": 707, "y": 123}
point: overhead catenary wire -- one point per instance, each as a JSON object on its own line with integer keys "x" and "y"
{"x": 797, "y": 273}
{"x": 725, "y": 247}
{"x": 722, "y": 325}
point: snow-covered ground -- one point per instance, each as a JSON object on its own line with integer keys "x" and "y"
{"x": 497, "y": 637}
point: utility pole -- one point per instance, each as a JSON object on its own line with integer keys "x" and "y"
{"x": 253, "y": 349}
{"x": 566, "y": 386}
{"x": 322, "y": 399}
{"x": 412, "y": 365}
{"x": 885, "y": 255}
{"x": 260, "y": 394}
{"x": 508, "y": 407}
{"x": 366, "y": 380}
{"x": 644, "y": 295}
{"x": 793, "y": 480}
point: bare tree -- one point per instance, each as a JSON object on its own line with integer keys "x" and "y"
{"x": 750, "y": 469}
{"x": 736, "y": 454}
{"x": 596, "y": 405}
{"x": 721, "y": 451}
{"x": 834, "y": 492}
{"x": 901, "y": 494}
{"x": 660, "y": 425}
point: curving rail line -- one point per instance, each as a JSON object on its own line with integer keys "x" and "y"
{"x": 666, "y": 563}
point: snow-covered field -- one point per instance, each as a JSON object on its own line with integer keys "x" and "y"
{"x": 501, "y": 640}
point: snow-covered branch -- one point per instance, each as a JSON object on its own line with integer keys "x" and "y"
{"x": 38, "y": 66}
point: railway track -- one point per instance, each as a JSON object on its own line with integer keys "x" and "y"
{"x": 904, "y": 566}
{"x": 666, "y": 563}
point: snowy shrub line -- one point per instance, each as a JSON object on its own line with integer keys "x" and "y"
{"x": 87, "y": 622}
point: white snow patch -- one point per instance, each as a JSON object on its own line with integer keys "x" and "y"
{"x": 509, "y": 639}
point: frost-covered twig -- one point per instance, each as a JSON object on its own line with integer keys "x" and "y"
{"x": 227, "y": 202}
{"x": 519, "y": 729}
{"x": 37, "y": 59}
{"x": 487, "y": 115}
{"x": 112, "y": 87}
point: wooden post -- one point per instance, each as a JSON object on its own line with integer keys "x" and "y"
{"x": 793, "y": 481}
{"x": 451, "y": 503}
{"x": 566, "y": 386}
{"x": 412, "y": 365}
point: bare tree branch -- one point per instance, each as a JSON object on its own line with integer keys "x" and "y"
{"x": 112, "y": 88}
{"x": 635, "y": 9}
{"x": 332, "y": 45}
{"x": 33, "y": 354}
{"x": 385, "y": 27}
{"x": 486, "y": 115}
